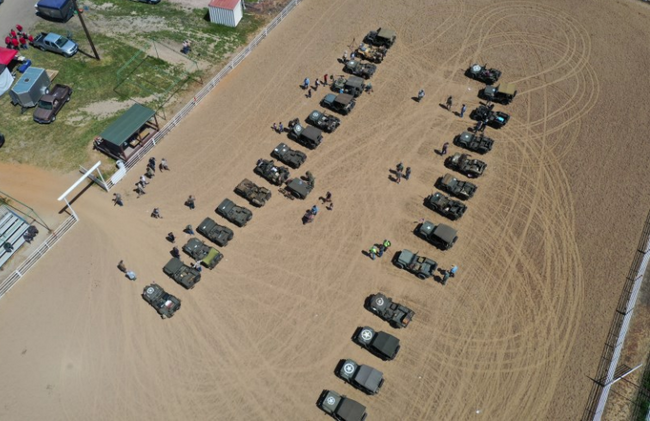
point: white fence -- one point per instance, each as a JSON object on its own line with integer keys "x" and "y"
{"x": 204, "y": 91}
{"x": 55, "y": 236}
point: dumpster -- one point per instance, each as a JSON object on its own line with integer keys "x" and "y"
{"x": 31, "y": 86}
{"x": 57, "y": 10}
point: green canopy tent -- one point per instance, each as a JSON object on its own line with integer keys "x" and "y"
{"x": 130, "y": 132}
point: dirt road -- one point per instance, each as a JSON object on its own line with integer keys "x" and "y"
{"x": 543, "y": 248}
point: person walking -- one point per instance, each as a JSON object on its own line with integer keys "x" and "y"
{"x": 386, "y": 244}
{"x": 327, "y": 198}
{"x": 345, "y": 56}
{"x": 175, "y": 252}
{"x": 152, "y": 163}
{"x": 190, "y": 202}
{"x": 316, "y": 84}
{"x": 149, "y": 173}
{"x": 314, "y": 210}
{"x": 275, "y": 127}
{"x": 330, "y": 206}
{"x": 445, "y": 146}
{"x": 280, "y": 128}
{"x": 325, "y": 79}
{"x": 309, "y": 93}
{"x": 398, "y": 177}
{"x": 163, "y": 165}
{"x": 420, "y": 95}
{"x": 445, "y": 277}
{"x": 171, "y": 237}
{"x": 449, "y": 103}
{"x": 143, "y": 180}
{"x": 139, "y": 190}
{"x": 188, "y": 229}
{"x": 407, "y": 174}
{"x": 305, "y": 84}
{"x": 373, "y": 252}
{"x": 117, "y": 199}
{"x": 452, "y": 271}
{"x": 380, "y": 252}
{"x": 121, "y": 266}
{"x": 156, "y": 213}
{"x": 462, "y": 110}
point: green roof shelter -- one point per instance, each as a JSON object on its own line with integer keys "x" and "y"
{"x": 130, "y": 132}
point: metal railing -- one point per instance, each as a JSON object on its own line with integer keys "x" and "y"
{"x": 141, "y": 153}
{"x": 52, "y": 239}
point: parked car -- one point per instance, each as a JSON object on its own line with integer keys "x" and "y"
{"x": 442, "y": 236}
{"x": 381, "y": 37}
{"x": 341, "y": 103}
{"x": 214, "y": 232}
{"x": 445, "y": 206}
{"x": 363, "y": 377}
{"x": 238, "y": 215}
{"x": 50, "y": 104}
{"x": 340, "y": 407}
{"x": 381, "y": 344}
{"x": 420, "y": 266}
{"x": 165, "y": 304}
{"x": 185, "y": 275}
{"x": 55, "y": 43}
{"x": 397, "y": 315}
{"x": 291, "y": 157}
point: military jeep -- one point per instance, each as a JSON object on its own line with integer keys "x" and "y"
{"x": 445, "y": 206}
{"x": 256, "y": 195}
{"x": 340, "y": 407}
{"x": 381, "y": 37}
{"x": 341, "y": 103}
{"x": 461, "y": 189}
{"x": 323, "y": 121}
{"x": 372, "y": 54}
{"x": 503, "y": 93}
{"x": 354, "y": 85}
{"x": 214, "y": 232}
{"x": 442, "y": 236}
{"x": 363, "y": 377}
{"x": 199, "y": 251}
{"x": 238, "y": 215}
{"x": 301, "y": 187}
{"x": 381, "y": 344}
{"x": 267, "y": 169}
{"x": 483, "y": 74}
{"x": 184, "y": 275}
{"x": 365, "y": 70}
{"x": 474, "y": 142}
{"x": 397, "y": 315}
{"x": 165, "y": 304}
{"x": 289, "y": 156}
{"x": 420, "y": 266}
{"x": 462, "y": 163}
{"x": 308, "y": 136}
{"x": 494, "y": 119}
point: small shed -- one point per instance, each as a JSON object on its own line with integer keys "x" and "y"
{"x": 130, "y": 132}
{"x": 226, "y": 12}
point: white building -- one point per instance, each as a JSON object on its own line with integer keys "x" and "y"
{"x": 226, "y": 12}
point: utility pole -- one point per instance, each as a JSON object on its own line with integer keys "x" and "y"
{"x": 92, "y": 45}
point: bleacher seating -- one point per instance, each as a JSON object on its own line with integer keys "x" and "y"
{"x": 12, "y": 229}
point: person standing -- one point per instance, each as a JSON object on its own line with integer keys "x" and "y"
{"x": 407, "y": 174}
{"x": 345, "y": 56}
{"x": 280, "y": 128}
{"x": 175, "y": 252}
{"x": 443, "y": 151}
{"x": 139, "y": 190}
{"x": 150, "y": 172}
{"x": 400, "y": 167}
{"x": 156, "y": 213}
{"x": 117, "y": 199}
{"x": 445, "y": 277}
{"x": 171, "y": 237}
{"x": 449, "y": 103}
{"x": 325, "y": 79}
{"x": 163, "y": 165}
{"x": 309, "y": 93}
{"x": 121, "y": 266}
{"x": 373, "y": 252}
{"x": 14, "y": 43}
{"x": 314, "y": 210}
{"x": 152, "y": 163}
{"x": 305, "y": 84}
{"x": 188, "y": 229}
{"x": 452, "y": 271}
{"x": 462, "y": 110}
{"x": 386, "y": 244}
{"x": 398, "y": 177}
{"x": 190, "y": 202}
{"x": 420, "y": 95}
{"x": 143, "y": 180}
{"x": 275, "y": 127}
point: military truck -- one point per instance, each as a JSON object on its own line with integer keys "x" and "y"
{"x": 214, "y": 232}
{"x": 267, "y": 169}
{"x": 381, "y": 344}
{"x": 165, "y": 304}
{"x": 341, "y": 103}
{"x": 198, "y": 250}
{"x": 462, "y": 163}
{"x": 51, "y": 103}
{"x": 301, "y": 187}
{"x": 461, "y": 189}
{"x": 323, "y": 121}
{"x": 256, "y": 195}
{"x": 483, "y": 74}
{"x": 354, "y": 85}
{"x": 381, "y": 37}
{"x": 289, "y": 156}
{"x": 340, "y": 407}
{"x": 309, "y": 136}
{"x": 420, "y": 266}
{"x": 442, "y": 236}
{"x": 184, "y": 275}
{"x": 397, "y": 315}
{"x": 365, "y": 70}
{"x": 494, "y": 119}
{"x": 238, "y": 215}
{"x": 363, "y": 377}
{"x": 445, "y": 206}
{"x": 478, "y": 143}
{"x": 370, "y": 53}
{"x": 502, "y": 94}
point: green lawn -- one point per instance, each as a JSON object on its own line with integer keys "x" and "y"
{"x": 67, "y": 143}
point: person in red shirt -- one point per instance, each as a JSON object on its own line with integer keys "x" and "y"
{"x": 8, "y": 41}
{"x": 13, "y": 34}
{"x": 14, "y": 43}
{"x": 23, "y": 42}
{"x": 30, "y": 38}
{"x": 19, "y": 28}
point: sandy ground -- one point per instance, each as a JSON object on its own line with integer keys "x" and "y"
{"x": 543, "y": 248}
